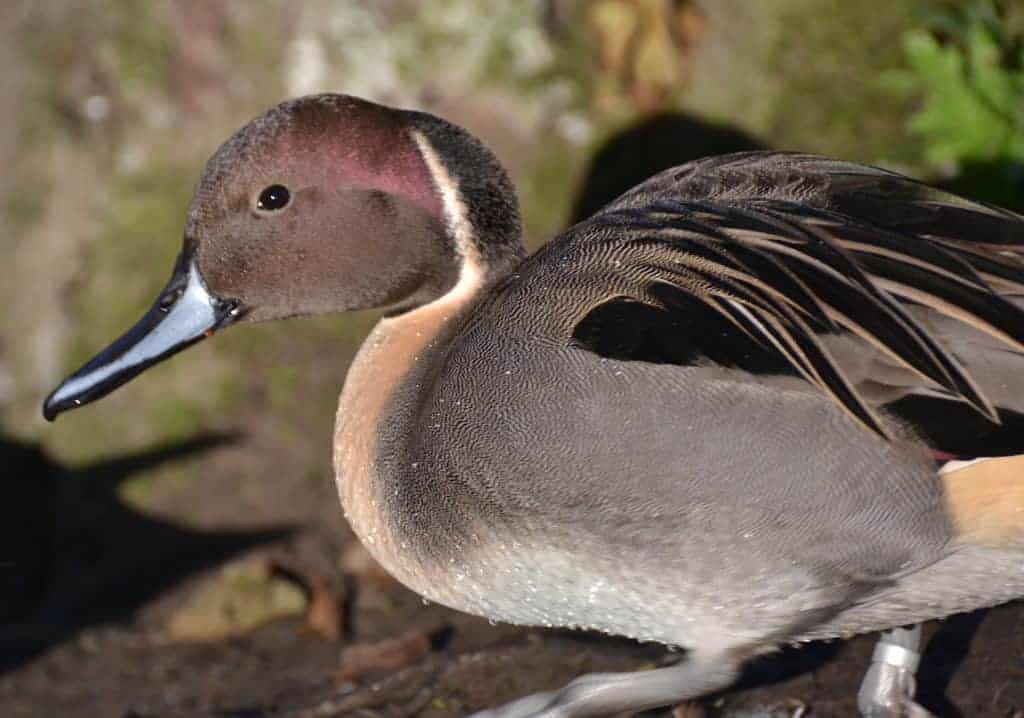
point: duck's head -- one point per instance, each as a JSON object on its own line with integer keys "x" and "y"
{"x": 324, "y": 204}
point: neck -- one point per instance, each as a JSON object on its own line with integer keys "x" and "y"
{"x": 391, "y": 368}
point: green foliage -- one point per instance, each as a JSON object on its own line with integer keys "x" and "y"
{"x": 973, "y": 92}
{"x": 967, "y": 69}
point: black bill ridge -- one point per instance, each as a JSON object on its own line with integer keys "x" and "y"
{"x": 185, "y": 312}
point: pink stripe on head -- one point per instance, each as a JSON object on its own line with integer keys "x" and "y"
{"x": 363, "y": 145}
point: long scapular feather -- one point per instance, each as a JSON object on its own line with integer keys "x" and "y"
{"x": 854, "y": 299}
{"x": 783, "y": 279}
{"x": 791, "y": 248}
{"x": 918, "y": 269}
{"x": 764, "y": 315}
{"x": 923, "y": 353}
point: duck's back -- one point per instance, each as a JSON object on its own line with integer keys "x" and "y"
{"x": 899, "y": 302}
{"x": 691, "y": 396}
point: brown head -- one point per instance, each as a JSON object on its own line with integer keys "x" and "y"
{"x": 324, "y": 204}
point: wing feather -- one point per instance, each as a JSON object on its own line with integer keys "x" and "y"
{"x": 791, "y": 250}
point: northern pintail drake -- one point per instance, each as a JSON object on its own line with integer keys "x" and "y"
{"x": 758, "y": 399}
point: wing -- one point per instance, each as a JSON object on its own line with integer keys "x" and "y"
{"x": 870, "y": 286}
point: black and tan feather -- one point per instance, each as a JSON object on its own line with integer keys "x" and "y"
{"x": 796, "y": 251}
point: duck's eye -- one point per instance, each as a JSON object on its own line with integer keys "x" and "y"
{"x": 273, "y": 197}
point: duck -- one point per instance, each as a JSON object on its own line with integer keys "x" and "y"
{"x": 759, "y": 399}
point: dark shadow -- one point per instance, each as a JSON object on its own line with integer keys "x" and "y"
{"x": 965, "y": 433}
{"x": 999, "y": 182}
{"x": 788, "y": 663}
{"x": 74, "y": 555}
{"x": 943, "y": 655}
{"x": 648, "y": 147}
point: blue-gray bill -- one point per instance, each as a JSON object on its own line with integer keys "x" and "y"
{"x": 184, "y": 313}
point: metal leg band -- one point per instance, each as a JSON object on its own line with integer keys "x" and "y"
{"x": 898, "y": 656}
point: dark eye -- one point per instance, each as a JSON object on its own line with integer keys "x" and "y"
{"x": 273, "y": 197}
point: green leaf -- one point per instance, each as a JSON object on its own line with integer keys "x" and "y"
{"x": 971, "y": 91}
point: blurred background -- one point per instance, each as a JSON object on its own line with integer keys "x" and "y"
{"x": 178, "y": 548}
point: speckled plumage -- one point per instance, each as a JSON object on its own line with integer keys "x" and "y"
{"x": 609, "y": 467}
{"x": 711, "y": 415}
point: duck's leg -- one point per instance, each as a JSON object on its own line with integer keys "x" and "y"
{"x": 887, "y": 690}
{"x": 602, "y": 694}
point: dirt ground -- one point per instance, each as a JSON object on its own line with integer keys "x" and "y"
{"x": 104, "y": 643}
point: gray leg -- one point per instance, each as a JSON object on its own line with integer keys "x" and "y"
{"x": 601, "y": 694}
{"x": 888, "y": 687}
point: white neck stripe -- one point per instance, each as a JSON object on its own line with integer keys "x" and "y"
{"x": 455, "y": 212}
